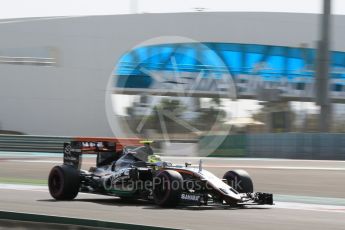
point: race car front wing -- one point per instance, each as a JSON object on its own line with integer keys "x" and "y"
{"x": 257, "y": 198}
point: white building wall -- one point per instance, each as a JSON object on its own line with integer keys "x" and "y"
{"x": 70, "y": 98}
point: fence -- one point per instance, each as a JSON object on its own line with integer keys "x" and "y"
{"x": 223, "y": 145}
{"x": 297, "y": 145}
{"x": 27, "y": 143}
{"x": 278, "y": 145}
{"x": 330, "y": 146}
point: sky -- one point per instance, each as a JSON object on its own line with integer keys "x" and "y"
{"x": 47, "y": 8}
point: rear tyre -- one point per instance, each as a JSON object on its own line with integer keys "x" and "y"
{"x": 167, "y": 188}
{"x": 239, "y": 180}
{"x": 63, "y": 182}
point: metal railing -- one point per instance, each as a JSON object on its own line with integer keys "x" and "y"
{"x": 28, "y": 143}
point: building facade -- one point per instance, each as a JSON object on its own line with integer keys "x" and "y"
{"x": 57, "y": 74}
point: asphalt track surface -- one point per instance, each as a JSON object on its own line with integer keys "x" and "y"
{"x": 309, "y": 195}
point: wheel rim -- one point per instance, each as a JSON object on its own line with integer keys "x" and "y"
{"x": 161, "y": 191}
{"x": 55, "y": 183}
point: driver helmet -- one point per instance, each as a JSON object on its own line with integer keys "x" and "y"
{"x": 154, "y": 158}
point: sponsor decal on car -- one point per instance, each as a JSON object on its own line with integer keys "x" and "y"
{"x": 190, "y": 197}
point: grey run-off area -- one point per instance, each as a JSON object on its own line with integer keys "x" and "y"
{"x": 309, "y": 194}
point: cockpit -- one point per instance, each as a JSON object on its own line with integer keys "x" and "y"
{"x": 133, "y": 155}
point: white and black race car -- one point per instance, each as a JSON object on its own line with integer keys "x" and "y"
{"x": 135, "y": 172}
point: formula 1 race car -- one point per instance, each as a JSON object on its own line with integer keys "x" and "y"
{"x": 133, "y": 171}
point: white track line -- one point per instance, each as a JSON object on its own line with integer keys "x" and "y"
{"x": 215, "y": 166}
{"x": 23, "y": 187}
{"x": 276, "y": 167}
{"x": 36, "y": 161}
{"x": 278, "y": 204}
{"x": 45, "y": 161}
{"x": 246, "y": 159}
{"x": 310, "y": 207}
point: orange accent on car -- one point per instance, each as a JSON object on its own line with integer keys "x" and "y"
{"x": 120, "y": 142}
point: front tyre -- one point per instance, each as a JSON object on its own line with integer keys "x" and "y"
{"x": 63, "y": 182}
{"x": 239, "y": 180}
{"x": 167, "y": 188}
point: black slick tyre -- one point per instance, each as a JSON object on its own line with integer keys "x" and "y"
{"x": 167, "y": 188}
{"x": 239, "y": 180}
{"x": 63, "y": 182}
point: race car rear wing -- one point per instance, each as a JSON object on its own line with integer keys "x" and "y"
{"x": 106, "y": 149}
